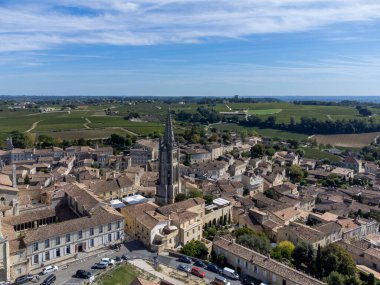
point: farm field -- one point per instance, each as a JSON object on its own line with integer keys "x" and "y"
{"x": 271, "y": 133}
{"x": 284, "y": 111}
{"x": 317, "y": 154}
{"x": 350, "y": 140}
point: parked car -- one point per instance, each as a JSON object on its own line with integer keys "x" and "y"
{"x": 118, "y": 259}
{"x": 185, "y": 259}
{"x": 183, "y": 268}
{"x": 200, "y": 264}
{"x": 100, "y": 265}
{"x": 49, "y": 280}
{"x": 220, "y": 280}
{"x": 23, "y": 279}
{"x": 49, "y": 269}
{"x": 83, "y": 274}
{"x": 214, "y": 268}
{"x": 109, "y": 261}
{"x": 198, "y": 272}
{"x": 230, "y": 273}
{"x": 124, "y": 257}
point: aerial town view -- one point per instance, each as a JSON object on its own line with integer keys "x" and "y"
{"x": 183, "y": 142}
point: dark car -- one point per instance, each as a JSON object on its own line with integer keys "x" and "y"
{"x": 185, "y": 259}
{"x": 83, "y": 274}
{"x": 200, "y": 264}
{"x": 183, "y": 268}
{"x": 124, "y": 257}
{"x": 23, "y": 279}
{"x": 118, "y": 259}
{"x": 213, "y": 268}
{"x": 99, "y": 266}
{"x": 49, "y": 280}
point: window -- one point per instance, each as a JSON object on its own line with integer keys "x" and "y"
{"x": 47, "y": 243}
{"x": 187, "y": 234}
{"x": 68, "y": 249}
{"x": 118, "y": 225}
{"x": 47, "y": 255}
{"x": 92, "y": 244}
{"x": 117, "y": 235}
{"x": 101, "y": 229}
{"x": 274, "y": 277}
{"x": 109, "y": 237}
{"x": 58, "y": 252}
{"x": 35, "y": 259}
{"x": 91, "y": 231}
{"x": 109, "y": 226}
{"x": 58, "y": 240}
{"x": 80, "y": 235}
{"x": 35, "y": 246}
{"x": 68, "y": 238}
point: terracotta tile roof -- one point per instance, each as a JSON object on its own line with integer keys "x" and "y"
{"x": 180, "y": 206}
{"x": 263, "y": 261}
{"x": 99, "y": 216}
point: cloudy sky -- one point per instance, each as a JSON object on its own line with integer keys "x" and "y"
{"x": 190, "y": 47}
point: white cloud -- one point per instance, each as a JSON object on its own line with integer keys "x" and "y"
{"x": 38, "y": 25}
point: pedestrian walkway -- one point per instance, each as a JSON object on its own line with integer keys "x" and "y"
{"x": 147, "y": 267}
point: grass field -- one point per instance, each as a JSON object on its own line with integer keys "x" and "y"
{"x": 264, "y": 112}
{"x": 318, "y": 155}
{"x": 351, "y": 140}
{"x": 90, "y": 121}
{"x": 123, "y": 275}
{"x": 271, "y": 133}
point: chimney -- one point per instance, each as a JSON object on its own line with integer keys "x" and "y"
{"x": 14, "y": 178}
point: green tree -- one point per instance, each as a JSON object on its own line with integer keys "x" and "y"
{"x": 371, "y": 279}
{"x": 272, "y": 194}
{"x": 194, "y": 193}
{"x": 257, "y": 150}
{"x": 336, "y": 258}
{"x": 195, "y": 248}
{"x": 303, "y": 254}
{"x": 335, "y": 278}
{"x": 180, "y": 197}
{"x": 26, "y": 179}
{"x": 208, "y": 199}
{"x": 352, "y": 280}
{"x": 257, "y": 241}
{"x": 296, "y": 174}
{"x": 283, "y": 251}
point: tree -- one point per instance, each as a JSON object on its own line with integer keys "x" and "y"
{"x": 352, "y": 280}
{"x": 303, "y": 254}
{"x": 26, "y": 179}
{"x": 257, "y": 151}
{"x": 371, "y": 279}
{"x": 283, "y": 251}
{"x": 336, "y": 258}
{"x": 208, "y": 199}
{"x": 195, "y": 193}
{"x": 180, "y": 197}
{"x": 45, "y": 141}
{"x": 257, "y": 241}
{"x": 195, "y": 248}
{"x": 272, "y": 194}
{"x": 318, "y": 267}
{"x": 296, "y": 174}
{"x": 335, "y": 278}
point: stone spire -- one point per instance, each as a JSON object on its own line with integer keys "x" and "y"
{"x": 169, "y": 134}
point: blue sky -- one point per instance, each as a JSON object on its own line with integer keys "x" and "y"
{"x": 190, "y": 47}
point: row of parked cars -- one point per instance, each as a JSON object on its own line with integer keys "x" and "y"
{"x": 199, "y": 265}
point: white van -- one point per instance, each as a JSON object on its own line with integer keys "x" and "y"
{"x": 230, "y": 273}
{"x": 220, "y": 280}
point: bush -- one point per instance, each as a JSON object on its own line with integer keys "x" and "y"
{"x": 195, "y": 248}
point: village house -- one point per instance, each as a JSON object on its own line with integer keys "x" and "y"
{"x": 251, "y": 263}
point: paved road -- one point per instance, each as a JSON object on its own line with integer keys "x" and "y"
{"x": 172, "y": 262}
{"x": 133, "y": 249}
